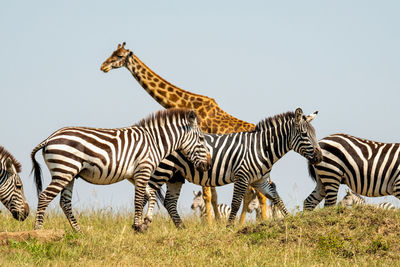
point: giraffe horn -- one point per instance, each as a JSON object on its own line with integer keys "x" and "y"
{"x": 119, "y": 46}
{"x": 123, "y": 45}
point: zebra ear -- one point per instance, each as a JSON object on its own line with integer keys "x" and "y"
{"x": 192, "y": 118}
{"x": 310, "y": 117}
{"x": 194, "y": 193}
{"x": 298, "y": 115}
{"x": 10, "y": 166}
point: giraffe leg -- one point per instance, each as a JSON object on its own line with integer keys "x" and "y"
{"x": 263, "y": 205}
{"x": 57, "y": 184}
{"x": 170, "y": 202}
{"x": 65, "y": 203}
{"x": 214, "y": 202}
{"x": 207, "y": 201}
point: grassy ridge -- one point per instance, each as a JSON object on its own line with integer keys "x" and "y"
{"x": 361, "y": 236}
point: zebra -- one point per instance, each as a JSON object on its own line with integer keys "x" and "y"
{"x": 106, "y": 156}
{"x": 353, "y": 199}
{"x": 368, "y": 168}
{"x": 198, "y": 203}
{"x": 251, "y": 204}
{"x": 11, "y": 188}
{"x": 243, "y": 158}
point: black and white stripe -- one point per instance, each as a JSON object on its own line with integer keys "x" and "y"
{"x": 244, "y": 159}
{"x": 368, "y": 168}
{"x": 353, "y": 199}
{"x": 199, "y": 204}
{"x": 11, "y": 188}
{"x": 106, "y": 156}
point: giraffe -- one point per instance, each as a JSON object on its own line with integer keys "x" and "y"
{"x": 212, "y": 118}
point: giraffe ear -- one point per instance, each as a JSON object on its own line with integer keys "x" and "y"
{"x": 130, "y": 53}
{"x": 192, "y": 118}
{"x": 298, "y": 115}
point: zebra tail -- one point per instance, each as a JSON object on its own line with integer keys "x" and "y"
{"x": 311, "y": 172}
{"x": 160, "y": 196}
{"x": 36, "y": 167}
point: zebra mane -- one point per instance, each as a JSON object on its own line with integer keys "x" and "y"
{"x": 5, "y": 154}
{"x": 268, "y": 122}
{"x": 162, "y": 115}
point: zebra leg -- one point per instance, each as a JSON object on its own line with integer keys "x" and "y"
{"x": 170, "y": 202}
{"x": 331, "y": 191}
{"x": 56, "y": 185}
{"x": 214, "y": 202}
{"x": 315, "y": 197}
{"x": 65, "y": 203}
{"x": 151, "y": 195}
{"x": 140, "y": 181}
{"x": 239, "y": 189}
{"x": 269, "y": 190}
{"x": 396, "y": 187}
{"x": 207, "y": 196}
{"x": 248, "y": 195}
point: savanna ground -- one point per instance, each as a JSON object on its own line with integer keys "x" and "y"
{"x": 335, "y": 236}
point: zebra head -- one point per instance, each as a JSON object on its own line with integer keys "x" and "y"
{"x": 194, "y": 147}
{"x": 303, "y": 140}
{"x": 117, "y": 59}
{"x": 11, "y": 190}
{"x": 351, "y": 199}
{"x": 198, "y": 201}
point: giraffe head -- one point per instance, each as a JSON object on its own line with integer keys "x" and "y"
{"x": 117, "y": 59}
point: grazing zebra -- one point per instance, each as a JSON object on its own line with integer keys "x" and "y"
{"x": 353, "y": 199}
{"x": 244, "y": 158}
{"x": 11, "y": 188}
{"x": 251, "y": 199}
{"x": 107, "y": 156}
{"x": 368, "y": 168}
{"x": 199, "y": 203}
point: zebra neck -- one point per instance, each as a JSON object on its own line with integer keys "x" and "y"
{"x": 271, "y": 143}
{"x": 164, "y": 146}
{"x": 3, "y": 177}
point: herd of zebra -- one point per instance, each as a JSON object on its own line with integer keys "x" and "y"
{"x": 168, "y": 148}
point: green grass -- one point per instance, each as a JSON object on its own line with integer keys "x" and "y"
{"x": 361, "y": 236}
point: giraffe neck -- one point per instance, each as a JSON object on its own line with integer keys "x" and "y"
{"x": 165, "y": 93}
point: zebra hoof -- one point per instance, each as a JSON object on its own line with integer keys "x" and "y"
{"x": 147, "y": 221}
{"x": 140, "y": 228}
{"x": 181, "y": 226}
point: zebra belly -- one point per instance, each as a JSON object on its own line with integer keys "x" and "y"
{"x": 92, "y": 175}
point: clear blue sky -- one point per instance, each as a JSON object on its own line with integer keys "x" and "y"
{"x": 256, "y": 59}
